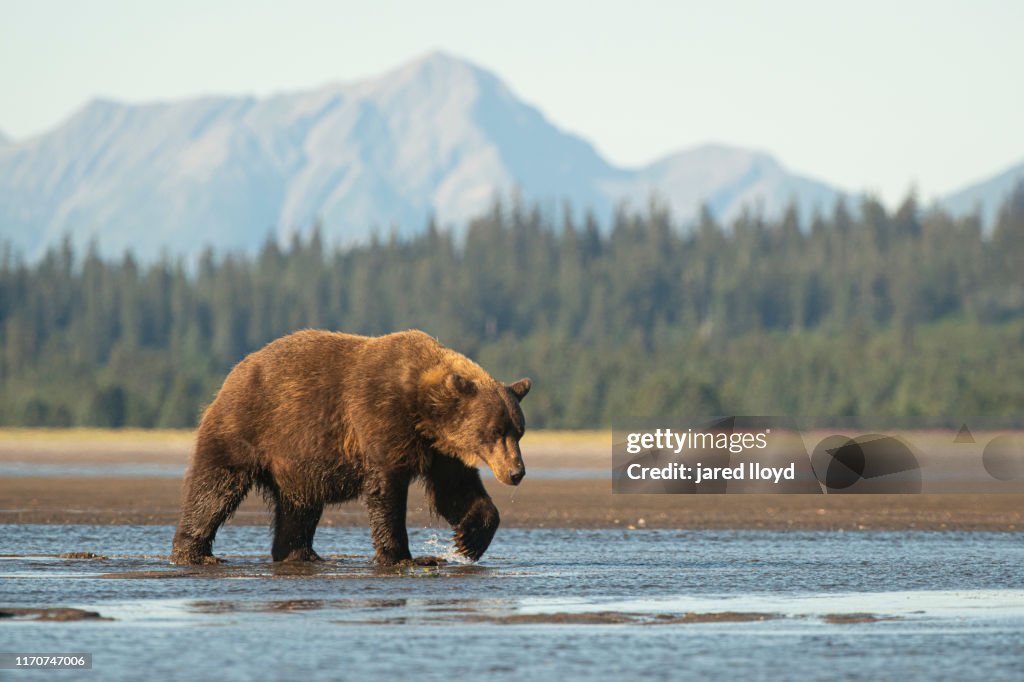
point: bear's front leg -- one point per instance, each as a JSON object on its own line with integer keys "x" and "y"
{"x": 386, "y": 495}
{"x": 459, "y": 496}
{"x": 473, "y": 534}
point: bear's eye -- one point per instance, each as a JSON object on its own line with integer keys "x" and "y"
{"x": 496, "y": 434}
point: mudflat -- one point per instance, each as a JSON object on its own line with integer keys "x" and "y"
{"x": 579, "y": 496}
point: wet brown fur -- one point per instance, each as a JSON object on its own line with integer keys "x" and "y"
{"x": 317, "y": 417}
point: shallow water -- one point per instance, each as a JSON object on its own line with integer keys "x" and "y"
{"x": 547, "y": 604}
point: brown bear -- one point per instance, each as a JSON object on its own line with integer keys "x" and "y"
{"x": 319, "y": 417}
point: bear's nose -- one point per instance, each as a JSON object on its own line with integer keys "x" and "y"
{"x": 516, "y": 475}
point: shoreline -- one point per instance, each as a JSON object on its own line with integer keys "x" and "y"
{"x": 579, "y": 496}
{"x": 541, "y": 503}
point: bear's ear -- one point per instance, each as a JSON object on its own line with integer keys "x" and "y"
{"x": 460, "y": 384}
{"x": 520, "y": 388}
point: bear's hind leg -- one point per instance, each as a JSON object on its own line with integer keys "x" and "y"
{"x": 212, "y": 494}
{"x": 294, "y": 527}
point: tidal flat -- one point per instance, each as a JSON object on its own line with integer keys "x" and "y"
{"x": 579, "y": 583}
{"x": 545, "y": 603}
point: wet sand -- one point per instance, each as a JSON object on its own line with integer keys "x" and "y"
{"x": 537, "y": 503}
{"x": 60, "y": 614}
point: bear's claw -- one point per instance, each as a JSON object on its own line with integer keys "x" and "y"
{"x": 468, "y": 548}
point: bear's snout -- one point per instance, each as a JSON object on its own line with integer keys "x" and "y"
{"x": 505, "y": 461}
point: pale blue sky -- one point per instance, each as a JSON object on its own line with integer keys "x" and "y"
{"x": 866, "y": 95}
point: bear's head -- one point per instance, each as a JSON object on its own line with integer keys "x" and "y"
{"x": 474, "y": 417}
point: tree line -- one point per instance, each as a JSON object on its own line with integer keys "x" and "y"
{"x": 861, "y": 312}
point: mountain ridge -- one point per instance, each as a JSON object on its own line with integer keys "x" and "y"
{"x": 985, "y": 196}
{"x": 436, "y": 137}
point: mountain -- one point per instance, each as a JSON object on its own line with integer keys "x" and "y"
{"x": 985, "y": 196}
{"x": 438, "y": 136}
{"x": 727, "y": 179}
{"x": 4, "y": 139}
